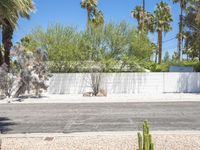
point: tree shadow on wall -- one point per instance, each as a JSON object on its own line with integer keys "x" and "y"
{"x": 5, "y": 125}
{"x": 189, "y": 83}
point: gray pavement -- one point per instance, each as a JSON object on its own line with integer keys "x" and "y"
{"x": 96, "y": 117}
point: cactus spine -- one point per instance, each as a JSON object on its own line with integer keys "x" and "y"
{"x": 145, "y": 142}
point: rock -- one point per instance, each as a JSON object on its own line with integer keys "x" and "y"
{"x": 88, "y": 94}
{"x": 49, "y": 139}
{"x": 2, "y": 97}
{"x": 102, "y": 93}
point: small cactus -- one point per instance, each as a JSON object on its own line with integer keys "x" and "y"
{"x": 145, "y": 142}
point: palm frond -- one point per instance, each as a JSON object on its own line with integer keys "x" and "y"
{"x": 11, "y": 10}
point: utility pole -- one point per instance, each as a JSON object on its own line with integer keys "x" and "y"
{"x": 143, "y": 4}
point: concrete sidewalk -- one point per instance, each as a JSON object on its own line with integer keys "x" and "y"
{"x": 173, "y": 97}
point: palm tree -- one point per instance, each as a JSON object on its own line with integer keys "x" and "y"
{"x": 90, "y": 5}
{"x": 149, "y": 22}
{"x": 10, "y": 12}
{"x": 198, "y": 17}
{"x": 163, "y": 18}
{"x": 6, "y": 7}
{"x": 98, "y": 18}
{"x": 143, "y": 21}
{"x": 95, "y": 17}
{"x": 180, "y": 35}
{"x": 137, "y": 14}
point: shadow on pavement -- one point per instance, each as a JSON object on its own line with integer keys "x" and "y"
{"x": 5, "y": 124}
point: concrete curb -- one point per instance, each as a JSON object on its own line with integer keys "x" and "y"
{"x": 110, "y": 99}
{"x": 0, "y": 143}
{"x": 82, "y": 134}
{"x": 130, "y": 98}
{"x": 97, "y": 101}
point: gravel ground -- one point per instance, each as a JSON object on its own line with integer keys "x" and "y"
{"x": 102, "y": 142}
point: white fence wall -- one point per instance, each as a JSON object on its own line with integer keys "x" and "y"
{"x": 127, "y": 83}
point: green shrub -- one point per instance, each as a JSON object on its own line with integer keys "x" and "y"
{"x": 117, "y": 46}
{"x": 197, "y": 67}
{"x": 159, "y": 68}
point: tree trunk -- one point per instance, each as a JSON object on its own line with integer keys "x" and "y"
{"x": 1, "y": 56}
{"x": 180, "y": 36}
{"x": 7, "y": 34}
{"x": 143, "y": 15}
{"x": 160, "y": 46}
{"x": 138, "y": 24}
{"x": 89, "y": 29}
{"x": 88, "y": 19}
{"x": 156, "y": 56}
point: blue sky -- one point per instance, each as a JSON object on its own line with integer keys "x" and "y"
{"x": 69, "y": 12}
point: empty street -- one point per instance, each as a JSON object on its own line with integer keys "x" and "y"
{"x": 96, "y": 117}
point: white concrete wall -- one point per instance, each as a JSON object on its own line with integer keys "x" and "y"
{"x": 127, "y": 83}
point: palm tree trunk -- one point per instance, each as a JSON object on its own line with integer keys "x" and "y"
{"x": 139, "y": 24}
{"x": 89, "y": 30}
{"x": 143, "y": 4}
{"x": 7, "y": 34}
{"x": 1, "y": 56}
{"x": 180, "y": 37}
{"x": 160, "y": 46}
{"x": 156, "y": 56}
{"x": 88, "y": 20}
{"x": 143, "y": 15}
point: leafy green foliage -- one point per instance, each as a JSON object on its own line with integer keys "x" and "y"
{"x": 165, "y": 66}
{"x": 166, "y": 57}
{"x": 11, "y": 10}
{"x": 197, "y": 67}
{"x": 95, "y": 16}
{"x": 163, "y": 17}
{"x": 145, "y": 19}
{"x": 192, "y": 29}
{"x": 117, "y": 47}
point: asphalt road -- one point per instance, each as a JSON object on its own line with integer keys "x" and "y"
{"x": 69, "y": 118}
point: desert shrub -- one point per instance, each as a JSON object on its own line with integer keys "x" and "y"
{"x": 183, "y": 63}
{"x": 33, "y": 71}
{"x": 153, "y": 67}
{"x": 7, "y": 80}
{"x": 165, "y": 66}
{"x": 117, "y": 46}
{"x": 197, "y": 67}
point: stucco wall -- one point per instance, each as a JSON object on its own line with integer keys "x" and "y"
{"x": 127, "y": 83}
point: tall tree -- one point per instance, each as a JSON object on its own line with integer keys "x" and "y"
{"x": 144, "y": 19}
{"x": 137, "y": 14}
{"x": 163, "y": 18}
{"x": 98, "y": 18}
{"x": 6, "y": 12}
{"x": 10, "y": 11}
{"x": 192, "y": 28}
{"x": 90, "y": 6}
{"x": 182, "y": 4}
{"x": 95, "y": 18}
{"x": 166, "y": 57}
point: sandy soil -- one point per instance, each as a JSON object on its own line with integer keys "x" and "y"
{"x": 170, "y": 141}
